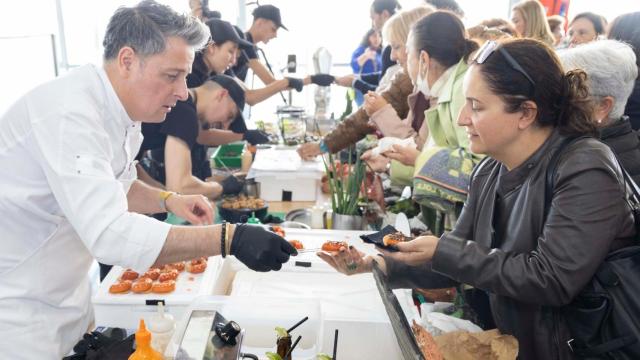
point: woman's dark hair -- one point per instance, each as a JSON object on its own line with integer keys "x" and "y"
{"x": 442, "y": 35}
{"x": 365, "y": 39}
{"x": 598, "y": 21}
{"x": 391, "y": 6}
{"x": 451, "y": 5}
{"x": 562, "y": 99}
{"x": 625, "y": 28}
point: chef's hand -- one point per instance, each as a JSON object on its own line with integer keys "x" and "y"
{"x": 346, "y": 81}
{"x": 231, "y": 185}
{"x": 377, "y": 163}
{"x": 196, "y": 209}
{"x": 322, "y": 79}
{"x": 414, "y": 252}
{"x": 259, "y": 249}
{"x": 373, "y": 102}
{"x": 407, "y": 155}
{"x": 295, "y": 83}
{"x": 309, "y": 151}
{"x": 255, "y": 137}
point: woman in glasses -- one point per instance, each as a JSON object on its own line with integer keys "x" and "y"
{"x": 520, "y": 106}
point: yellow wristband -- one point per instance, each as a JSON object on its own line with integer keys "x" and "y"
{"x": 164, "y": 195}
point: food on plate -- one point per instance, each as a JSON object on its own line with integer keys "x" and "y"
{"x": 197, "y": 266}
{"x": 163, "y": 287}
{"x": 121, "y": 287}
{"x": 333, "y": 246}
{"x": 152, "y": 274}
{"x": 129, "y": 275}
{"x": 242, "y": 202}
{"x": 426, "y": 342}
{"x": 393, "y": 239}
{"x": 277, "y": 229}
{"x": 296, "y": 244}
{"x": 168, "y": 274}
{"x": 142, "y": 285}
{"x": 178, "y": 266}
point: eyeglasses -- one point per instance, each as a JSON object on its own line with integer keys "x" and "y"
{"x": 489, "y": 47}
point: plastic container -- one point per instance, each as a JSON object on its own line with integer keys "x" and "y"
{"x": 124, "y": 310}
{"x": 161, "y": 326}
{"x": 287, "y": 187}
{"x": 229, "y": 155}
{"x": 258, "y": 318}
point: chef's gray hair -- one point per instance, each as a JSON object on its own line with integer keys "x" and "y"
{"x": 611, "y": 70}
{"x": 146, "y": 27}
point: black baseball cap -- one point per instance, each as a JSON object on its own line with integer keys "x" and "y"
{"x": 236, "y": 92}
{"x": 222, "y": 31}
{"x": 269, "y": 12}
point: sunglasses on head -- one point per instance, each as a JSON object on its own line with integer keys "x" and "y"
{"x": 490, "y": 47}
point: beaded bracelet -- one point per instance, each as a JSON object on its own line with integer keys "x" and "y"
{"x": 223, "y": 238}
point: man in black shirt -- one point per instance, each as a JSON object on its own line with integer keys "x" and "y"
{"x": 175, "y": 158}
{"x": 266, "y": 22}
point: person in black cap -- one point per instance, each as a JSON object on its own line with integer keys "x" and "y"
{"x": 170, "y": 152}
{"x": 217, "y": 58}
{"x": 266, "y": 22}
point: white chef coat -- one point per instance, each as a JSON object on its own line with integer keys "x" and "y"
{"x": 66, "y": 164}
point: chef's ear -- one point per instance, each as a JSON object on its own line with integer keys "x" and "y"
{"x": 126, "y": 59}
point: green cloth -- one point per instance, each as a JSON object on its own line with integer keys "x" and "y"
{"x": 442, "y": 119}
{"x": 401, "y": 175}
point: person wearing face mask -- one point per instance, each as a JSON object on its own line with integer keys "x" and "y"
{"x": 438, "y": 51}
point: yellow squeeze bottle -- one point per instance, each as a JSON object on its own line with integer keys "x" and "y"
{"x": 144, "y": 351}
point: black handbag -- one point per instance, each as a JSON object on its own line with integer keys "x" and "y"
{"x": 604, "y": 319}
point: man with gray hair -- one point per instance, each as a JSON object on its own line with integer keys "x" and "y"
{"x": 611, "y": 72}
{"x": 69, "y": 188}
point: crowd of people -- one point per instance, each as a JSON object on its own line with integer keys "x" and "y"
{"x": 487, "y": 109}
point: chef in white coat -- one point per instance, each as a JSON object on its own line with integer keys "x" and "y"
{"x": 68, "y": 188}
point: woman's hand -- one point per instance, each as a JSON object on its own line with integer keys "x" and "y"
{"x": 414, "y": 252}
{"x": 196, "y": 209}
{"x": 373, "y": 102}
{"x": 406, "y": 155}
{"x": 376, "y": 163}
{"x": 349, "y": 261}
{"x": 346, "y": 81}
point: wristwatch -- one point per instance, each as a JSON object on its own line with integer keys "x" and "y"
{"x": 164, "y": 195}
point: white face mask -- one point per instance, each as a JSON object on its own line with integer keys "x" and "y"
{"x": 422, "y": 84}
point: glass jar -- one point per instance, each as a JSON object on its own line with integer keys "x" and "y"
{"x": 292, "y": 123}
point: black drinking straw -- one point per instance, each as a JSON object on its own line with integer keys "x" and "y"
{"x": 297, "y": 324}
{"x": 335, "y": 345}
{"x": 295, "y": 343}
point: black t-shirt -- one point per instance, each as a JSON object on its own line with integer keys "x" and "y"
{"x": 242, "y": 65}
{"x": 181, "y": 122}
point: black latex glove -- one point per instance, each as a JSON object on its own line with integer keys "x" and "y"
{"x": 231, "y": 185}
{"x": 255, "y": 137}
{"x": 322, "y": 79}
{"x": 294, "y": 83}
{"x": 259, "y": 249}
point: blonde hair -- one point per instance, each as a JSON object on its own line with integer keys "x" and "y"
{"x": 396, "y": 29}
{"x": 535, "y": 19}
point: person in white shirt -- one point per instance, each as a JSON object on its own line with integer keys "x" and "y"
{"x": 69, "y": 189}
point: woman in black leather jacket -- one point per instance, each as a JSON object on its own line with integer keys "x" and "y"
{"x": 519, "y": 107}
